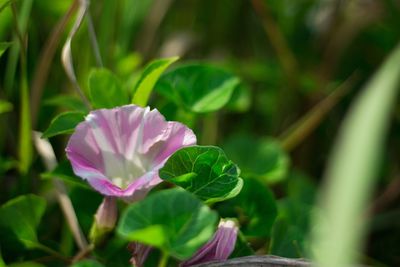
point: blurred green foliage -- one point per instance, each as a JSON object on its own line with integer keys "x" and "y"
{"x": 248, "y": 71}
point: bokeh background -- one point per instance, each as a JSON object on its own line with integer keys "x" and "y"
{"x": 301, "y": 62}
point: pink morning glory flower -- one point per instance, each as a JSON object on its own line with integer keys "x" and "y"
{"x": 219, "y": 247}
{"x": 119, "y": 151}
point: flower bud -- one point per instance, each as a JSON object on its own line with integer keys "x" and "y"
{"x": 104, "y": 219}
{"x": 106, "y": 215}
{"x": 219, "y": 247}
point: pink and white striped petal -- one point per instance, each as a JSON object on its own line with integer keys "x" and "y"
{"x": 219, "y": 247}
{"x": 119, "y": 151}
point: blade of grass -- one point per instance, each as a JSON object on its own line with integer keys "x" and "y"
{"x": 93, "y": 40}
{"x": 3, "y": 47}
{"x": 302, "y": 128}
{"x": 151, "y": 24}
{"x": 13, "y": 54}
{"x": 25, "y": 142}
{"x": 45, "y": 150}
{"x": 46, "y": 58}
{"x": 106, "y": 32}
{"x": 339, "y": 224}
{"x": 133, "y": 12}
{"x": 280, "y": 45}
{"x": 66, "y": 56}
{"x": 3, "y": 5}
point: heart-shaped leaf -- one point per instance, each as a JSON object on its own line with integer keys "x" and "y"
{"x": 268, "y": 160}
{"x": 291, "y": 229}
{"x": 200, "y": 88}
{"x": 106, "y": 90}
{"x": 64, "y": 123}
{"x": 148, "y": 79}
{"x": 255, "y": 207}
{"x": 173, "y": 220}
{"x": 20, "y": 217}
{"x": 204, "y": 171}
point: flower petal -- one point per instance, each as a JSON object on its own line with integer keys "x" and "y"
{"x": 219, "y": 247}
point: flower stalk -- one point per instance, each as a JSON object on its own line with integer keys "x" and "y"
{"x": 104, "y": 220}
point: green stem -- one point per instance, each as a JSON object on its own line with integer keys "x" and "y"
{"x": 210, "y": 129}
{"x": 51, "y": 252}
{"x": 25, "y": 142}
{"x": 301, "y": 129}
{"x": 164, "y": 259}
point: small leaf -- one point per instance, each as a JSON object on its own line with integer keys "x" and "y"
{"x": 64, "y": 172}
{"x": 241, "y": 99}
{"x": 204, "y": 171}
{"x": 106, "y": 90}
{"x": 5, "y": 106}
{"x": 67, "y": 101}
{"x": 172, "y": 220}
{"x": 87, "y": 263}
{"x": 287, "y": 239}
{"x": 20, "y": 217}
{"x": 64, "y": 123}
{"x": 148, "y": 79}
{"x": 200, "y": 88}
{"x": 291, "y": 229}
{"x": 268, "y": 161}
{"x": 4, "y": 45}
{"x": 255, "y": 207}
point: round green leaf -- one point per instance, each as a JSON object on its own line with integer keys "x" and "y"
{"x": 173, "y": 220}
{"x": 20, "y": 217}
{"x": 262, "y": 158}
{"x": 204, "y": 171}
{"x": 199, "y": 87}
{"x": 255, "y": 207}
{"x": 291, "y": 229}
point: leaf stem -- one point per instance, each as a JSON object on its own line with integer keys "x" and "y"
{"x": 83, "y": 253}
{"x": 210, "y": 129}
{"x": 164, "y": 259}
{"x": 301, "y": 129}
{"x": 45, "y": 150}
{"x": 51, "y": 252}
